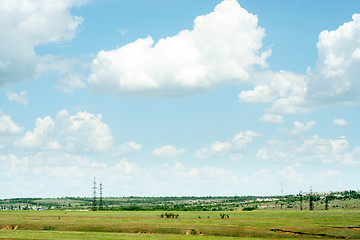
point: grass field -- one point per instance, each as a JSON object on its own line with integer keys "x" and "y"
{"x": 340, "y": 224}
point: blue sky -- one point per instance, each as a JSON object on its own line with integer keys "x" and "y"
{"x": 169, "y": 97}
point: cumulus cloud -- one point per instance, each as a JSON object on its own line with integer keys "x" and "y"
{"x": 333, "y": 80}
{"x": 168, "y": 151}
{"x": 242, "y": 139}
{"x": 271, "y": 86}
{"x": 25, "y": 24}
{"x": 8, "y": 126}
{"x": 83, "y": 132}
{"x": 223, "y": 47}
{"x": 12, "y": 165}
{"x": 126, "y": 167}
{"x": 339, "y": 122}
{"x": 301, "y": 127}
{"x": 228, "y": 149}
{"x": 314, "y": 149}
{"x": 129, "y": 148}
{"x": 20, "y": 98}
{"x": 271, "y": 118}
{"x": 217, "y": 149}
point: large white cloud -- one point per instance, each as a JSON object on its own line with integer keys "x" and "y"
{"x": 223, "y": 47}
{"x": 83, "y": 132}
{"x": 333, "y": 80}
{"x": 25, "y": 24}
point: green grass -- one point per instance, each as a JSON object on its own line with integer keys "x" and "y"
{"x": 148, "y": 225}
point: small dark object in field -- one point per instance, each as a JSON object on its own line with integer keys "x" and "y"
{"x": 223, "y": 215}
{"x": 49, "y": 228}
{"x": 169, "y": 215}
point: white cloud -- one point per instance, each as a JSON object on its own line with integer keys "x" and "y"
{"x": 228, "y": 149}
{"x": 272, "y": 118}
{"x": 352, "y": 157}
{"x": 217, "y": 149}
{"x": 168, "y": 151}
{"x": 83, "y": 132}
{"x": 242, "y": 139}
{"x": 8, "y": 126}
{"x": 11, "y": 165}
{"x": 129, "y": 148}
{"x": 25, "y": 24}
{"x": 20, "y": 98}
{"x": 285, "y": 91}
{"x": 223, "y": 47}
{"x": 335, "y": 78}
{"x": 339, "y": 122}
{"x": 300, "y": 127}
{"x": 71, "y": 82}
{"x": 274, "y": 85}
{"x": 314, "y": 149}
{"x": 126, "y": 167}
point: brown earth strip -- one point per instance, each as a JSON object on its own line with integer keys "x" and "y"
{"x": 308, "y": 234}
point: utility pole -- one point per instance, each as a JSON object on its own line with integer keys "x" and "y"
{"x": 301, "y": 201}
{"x": 94, "y": 196}
{"x": 101, "y": 200}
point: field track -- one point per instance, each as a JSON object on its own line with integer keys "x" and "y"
{"x": 337, "y": 224}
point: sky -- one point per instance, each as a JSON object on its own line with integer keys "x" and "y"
{"x": 179, "y": 97}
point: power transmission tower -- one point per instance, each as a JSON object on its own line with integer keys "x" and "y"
{"x": 101, "y": 200}
{"x": 326, "y": 203}
{"x": 282, "y": 195}
{"x": 94, "y": 196}
{"x": 311, "y": 201}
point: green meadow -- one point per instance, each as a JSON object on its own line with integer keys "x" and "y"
{"x": 339, "y": 224}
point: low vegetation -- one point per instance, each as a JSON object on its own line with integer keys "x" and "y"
{"x": 258, "y": 224}
{"x": 334, "y": 215}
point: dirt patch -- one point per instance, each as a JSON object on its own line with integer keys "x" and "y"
{"x": 193, "y": 232}
{"x": 352, "y": 228}
{"x": 10, "y": 227}
{"x": 308, "y": 234}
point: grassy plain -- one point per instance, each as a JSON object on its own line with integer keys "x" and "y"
{"x": 340, "y": 224}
